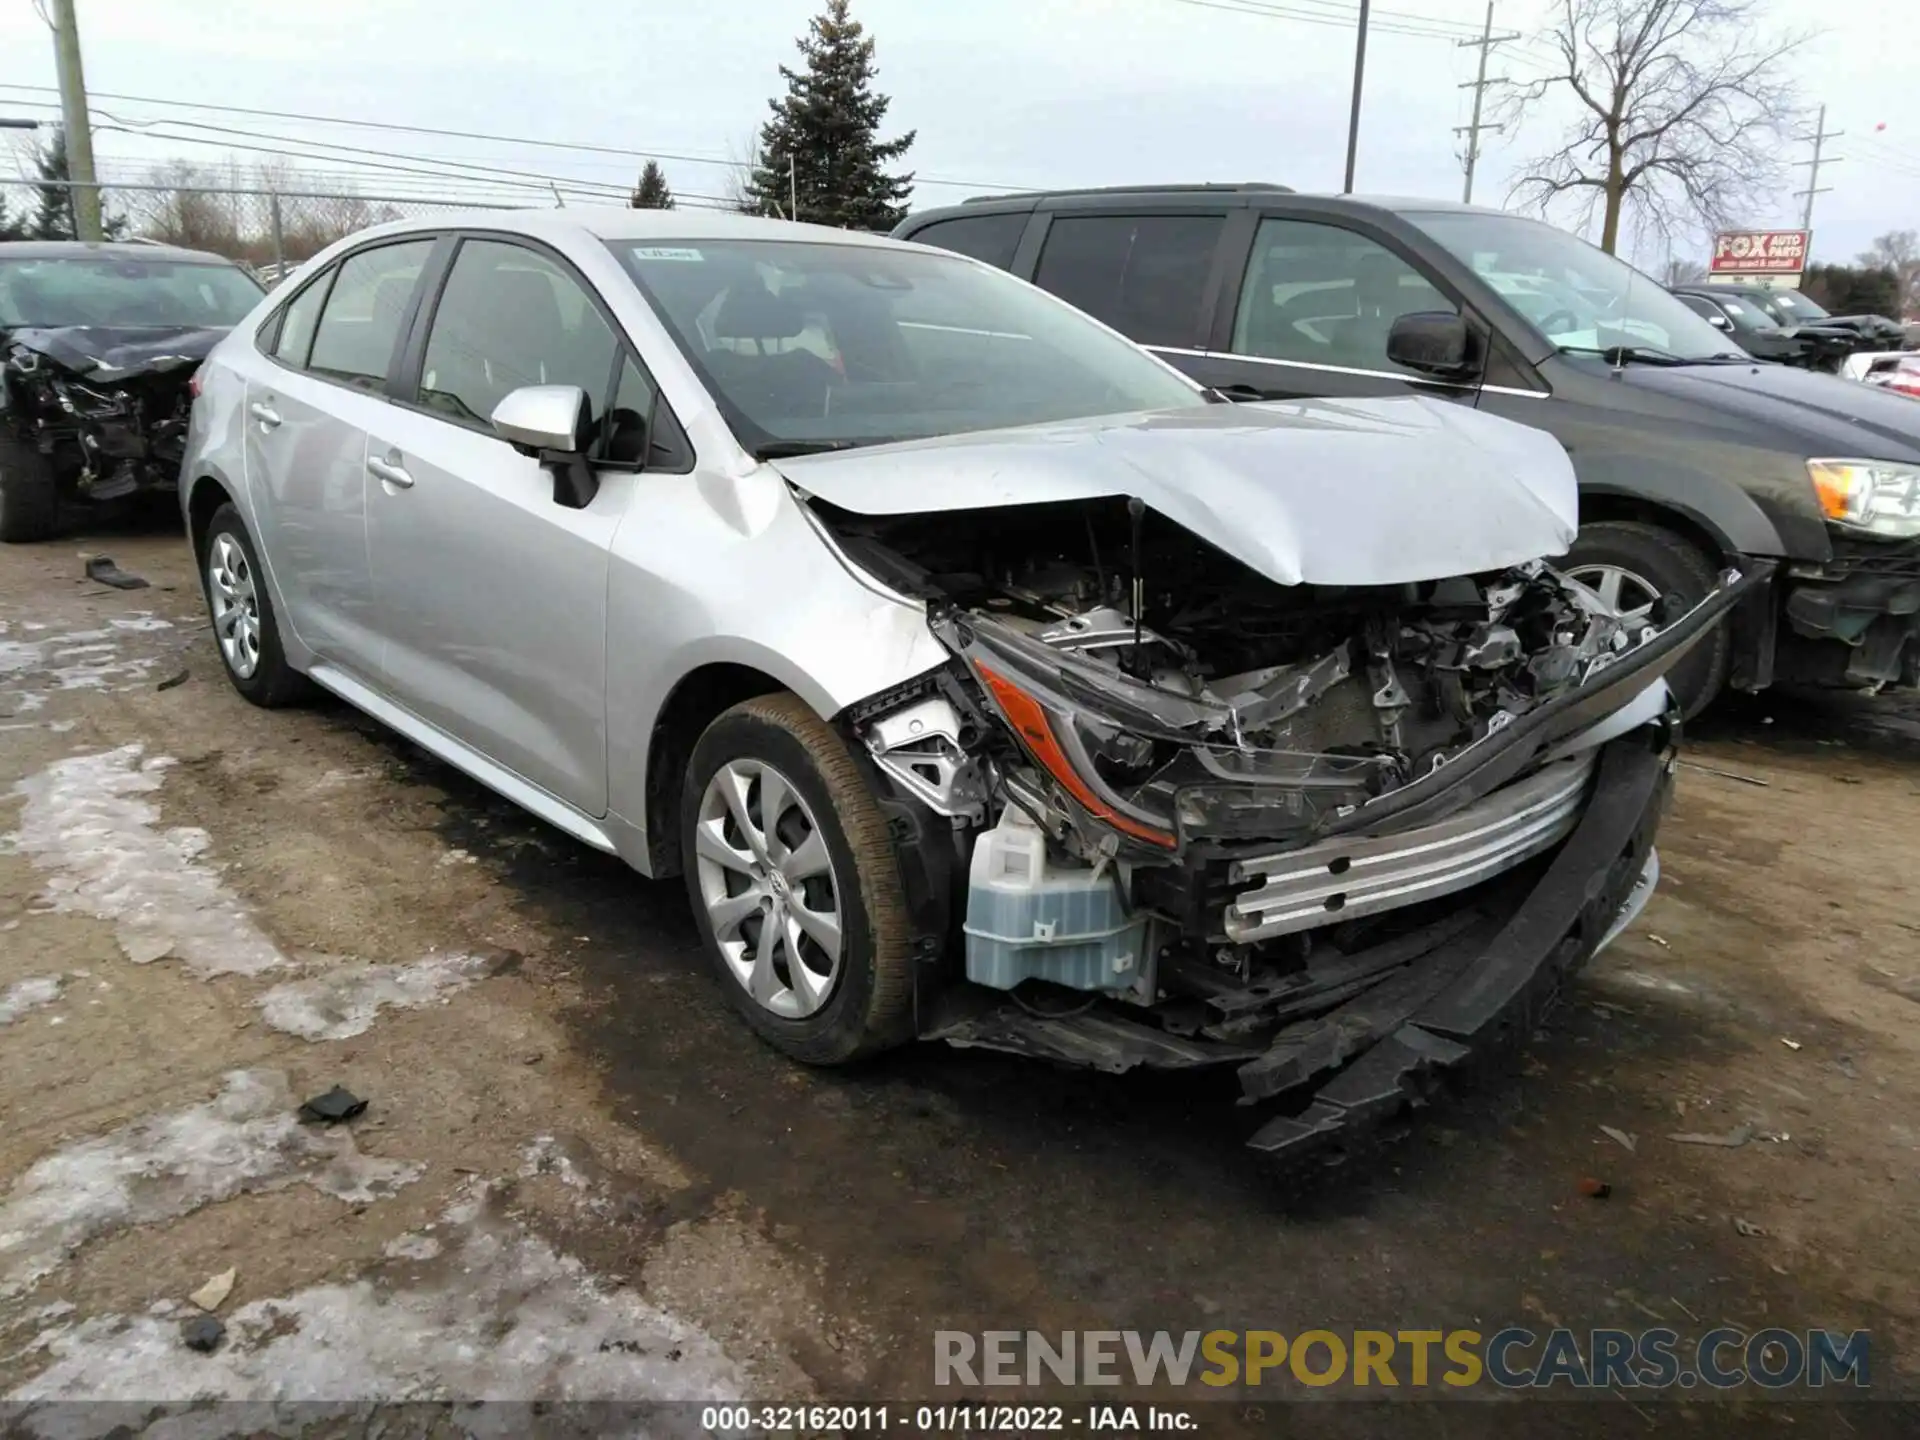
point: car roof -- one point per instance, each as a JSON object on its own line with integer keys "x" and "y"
{"x": 620, "y": 223}
{"x": 105, "y": 250}
{"x": 1238, "y": 195}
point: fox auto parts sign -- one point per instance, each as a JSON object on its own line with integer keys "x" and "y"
{"x": 1760, "y": 252}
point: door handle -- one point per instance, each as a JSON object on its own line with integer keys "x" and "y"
{"x": 391, "y": 472}
{"x": 265, "y": 414}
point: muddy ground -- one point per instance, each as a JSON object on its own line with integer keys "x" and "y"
{"x": 579, "y": 1175}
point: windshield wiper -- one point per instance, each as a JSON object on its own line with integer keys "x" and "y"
{"x": 790, "y": 449}
{"x": 1618, "y": 355}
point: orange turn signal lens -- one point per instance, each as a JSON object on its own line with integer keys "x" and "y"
{"x": 1834, "y": 485}
{"x": 1029, "y": 720}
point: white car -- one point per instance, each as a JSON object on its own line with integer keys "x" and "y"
{"x": 983, "y": 678}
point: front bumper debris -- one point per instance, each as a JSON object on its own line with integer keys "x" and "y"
{"x": 1482, "y": 991}
{"x": 1868, "y": 598}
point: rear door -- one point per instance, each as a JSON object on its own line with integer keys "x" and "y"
{"x": 492, "y": 596}
{"x": 1151, "y": 276}
{"x": 309, "y": 405}
{"x": 1308, "y": 310}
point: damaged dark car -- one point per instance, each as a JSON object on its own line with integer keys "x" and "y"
{"x": 98, "y": 346}
{"x": 986, "y": 680}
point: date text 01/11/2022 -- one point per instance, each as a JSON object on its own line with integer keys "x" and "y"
{"x": 943, "y": 1419}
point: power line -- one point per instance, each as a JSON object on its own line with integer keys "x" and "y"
{"x": 1344, "y": 20}
{"x": 1485, "y": 45}
{"x": 581, "y": 146}
{"x": 1819, "y": 138}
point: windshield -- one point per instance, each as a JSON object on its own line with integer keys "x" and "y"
{"x": 808, "y": 346}
{"x": 1795, "y": 307}
{"x": 90, "y": 290}
{"x": 1578, "y": 297}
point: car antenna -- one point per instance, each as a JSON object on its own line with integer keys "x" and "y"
{"x": 1136, "y": 512}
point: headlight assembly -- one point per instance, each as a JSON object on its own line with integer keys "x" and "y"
{"x": 1879, "y": 497}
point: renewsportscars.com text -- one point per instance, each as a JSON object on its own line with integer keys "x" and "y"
{"x": 1512, "y": 1358}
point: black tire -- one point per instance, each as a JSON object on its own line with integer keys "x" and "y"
{"x": 274, "y": 683}
{"x": 29, "y": 494}
{"x": 870, "y": 1005}
{"x": 1676, "y": 568}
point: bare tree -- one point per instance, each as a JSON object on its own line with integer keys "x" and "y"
{"x": 1682, "y": 272}
{"x": 1681, "y": 113}
{"x": 1898, "y": 251}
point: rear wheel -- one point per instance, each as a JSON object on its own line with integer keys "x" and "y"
{"x": 244, "y": 625}
{"x": 1631, "y": 564}
{"x": 29, "y": 494}
{"x": 795, "y": 885}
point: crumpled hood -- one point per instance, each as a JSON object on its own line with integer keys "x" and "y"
{"x": 1799, "y": 410}
{"x": 119, "y": 352}
{"x": 1327, "y": 492}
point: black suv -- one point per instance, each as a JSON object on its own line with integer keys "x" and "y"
{"x": 1728, "y": 308}
{"x": 1691, "y": 455}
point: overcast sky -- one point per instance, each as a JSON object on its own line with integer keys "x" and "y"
{"x": 1003, "y": 93}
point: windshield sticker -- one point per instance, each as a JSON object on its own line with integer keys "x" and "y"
{"x": 665, "y": 252}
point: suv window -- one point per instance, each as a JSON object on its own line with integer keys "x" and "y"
{"x": 1326, "y": 295}
{"x": 361, "y": 321}
{"x": 1142, "y": 274}
{"x": 992, "y": 238}
{"x": 509, "y": 317}
{"x": 296, "y": 322}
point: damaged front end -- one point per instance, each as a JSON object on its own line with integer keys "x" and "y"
{"x": 107, "y": 407}
{"x": 1336, "y": 836}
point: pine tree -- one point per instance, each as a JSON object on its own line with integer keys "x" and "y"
{"x": 821, "y": 153}
{"x": 52, "y": 217}
{"x": 652, "y": 192}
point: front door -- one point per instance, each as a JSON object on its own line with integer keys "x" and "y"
{"x": 1310, "y": 317}
{"x": 492, "y": 596}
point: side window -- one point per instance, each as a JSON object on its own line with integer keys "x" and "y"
{"x": 297, "y": 321}
{"x": 1142, "y": 274}
{"x": 510, "y": 317}
{"x": 1705, "y": 309}
{"x": 640, "y": 428}
{"x": 992, "y": 238}
{"x": 361, "y": 320}
{"x": 1323, "y": 294}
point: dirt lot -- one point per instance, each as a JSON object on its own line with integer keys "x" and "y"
{"x": 579, "y": 1175}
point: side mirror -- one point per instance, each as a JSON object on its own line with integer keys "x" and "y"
{"x": 552, "y": 423}
{"x": 1720, "y": 322}
{"x": 1434, "y": 342}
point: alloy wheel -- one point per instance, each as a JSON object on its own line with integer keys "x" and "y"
{"x": 1622, "y": 591}
{"x": 768, "y": 884}
{"x": 236, "y": 605}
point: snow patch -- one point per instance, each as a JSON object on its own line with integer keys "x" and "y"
{"x": 89, "y": 659}
{"x": 504, "y": 1317}
{"x": 17, "y": 999}
{"x": 344, "y": 1002}
{"x": 245, "y": 1139}
{"x": 88, "y": 821}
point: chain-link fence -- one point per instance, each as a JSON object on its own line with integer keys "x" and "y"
{"x": 267, "y": 230}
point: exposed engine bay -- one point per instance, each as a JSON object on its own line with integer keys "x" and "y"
{"x": 1208, "y": 818}
{"x": 107, "y": 406}
{"x": 1200, "y": 701}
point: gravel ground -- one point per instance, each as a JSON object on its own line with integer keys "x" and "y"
{"x": 578, "y": 1176}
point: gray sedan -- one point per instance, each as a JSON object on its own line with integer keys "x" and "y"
{"x": 984, "y": 679}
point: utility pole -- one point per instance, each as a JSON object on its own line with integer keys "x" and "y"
{"x": 1485, "y": 45}
{"x": 1359, "y": 74}
{"x": 77, "y": 128}
{"x": 1819, "y": 138}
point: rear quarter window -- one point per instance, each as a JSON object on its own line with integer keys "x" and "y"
{"x": 992, "y": 238}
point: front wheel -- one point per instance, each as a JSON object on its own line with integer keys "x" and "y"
{"x": 1632, "y": 564}
{"x": 29, "y": 494}
{"x": 795, "y": 885}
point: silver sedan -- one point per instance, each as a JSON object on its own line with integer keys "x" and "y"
{"x": 984, "y": 679}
